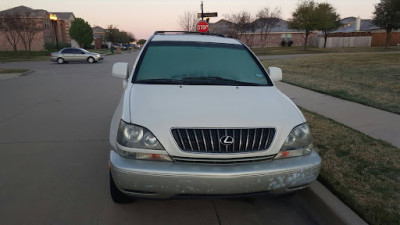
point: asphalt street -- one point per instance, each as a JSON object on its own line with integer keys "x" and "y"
{"x": 54, "y": 125}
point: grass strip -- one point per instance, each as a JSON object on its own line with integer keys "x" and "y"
{"x": 6, "y": 71}
{"x": 371, "y": 79}
{"x": 362, "y": 171}
{"x": 313, "y": 50}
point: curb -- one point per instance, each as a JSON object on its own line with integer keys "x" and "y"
{"x": 326, "y": 208}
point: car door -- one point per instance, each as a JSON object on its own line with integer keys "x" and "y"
{"x": 79, "y": 55}
{"x": 67, "y": 54}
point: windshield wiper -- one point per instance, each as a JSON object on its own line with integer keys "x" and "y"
{"x": 160, "y": 81}
{"x": 219, "y": 81}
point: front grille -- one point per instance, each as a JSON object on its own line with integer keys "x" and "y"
{"x": 208, "y": 140}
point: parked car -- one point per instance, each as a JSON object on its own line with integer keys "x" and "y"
{"x": 126, "y": 46}
{"x": 200, "y": 115}
{"x": 66, "y": 55}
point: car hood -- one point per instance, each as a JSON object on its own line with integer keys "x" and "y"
{"x": 162, "y": 107}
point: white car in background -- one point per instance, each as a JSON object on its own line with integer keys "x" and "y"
{"x": 199, "y": 115}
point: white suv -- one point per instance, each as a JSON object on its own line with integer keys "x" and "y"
{"x": 201, "y": 116}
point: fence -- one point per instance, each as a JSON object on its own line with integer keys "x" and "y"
{"x": 343, "y": 42}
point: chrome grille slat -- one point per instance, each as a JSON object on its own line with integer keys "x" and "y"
{"x": 204, "y": 139}
{"x": 190, "y": 142}
{"x": 247, "y": 139}
{"x": 212, "y": 141}
{"x": 266, "y": 142}
{"x": 196, "y": 140}
{"x": 261, "y": 138}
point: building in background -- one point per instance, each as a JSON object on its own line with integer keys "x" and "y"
{"x": 99, "y": 37}
{"x": 50, "y": 31}
{"x": 277, "y": 34}
{"x": 64, "y": 21}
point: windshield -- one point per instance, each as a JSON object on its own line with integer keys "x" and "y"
{"x": 198, "y": 63}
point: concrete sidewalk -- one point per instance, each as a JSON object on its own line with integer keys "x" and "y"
{"x": 374, "y": 122}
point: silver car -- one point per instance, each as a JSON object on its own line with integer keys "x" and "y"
{"x": 75, "y": 55}
{"x": 199, "y": 115}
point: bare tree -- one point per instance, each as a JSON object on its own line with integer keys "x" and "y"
{"x": 10, "y": 27}
{"x": 243, "y": 27}
{"x": 188, "y": 21}
{"x": 29, "y": 28}
{"x": 266, "y": 20}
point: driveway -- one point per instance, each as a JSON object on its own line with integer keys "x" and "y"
{"x": 54, "y": 150}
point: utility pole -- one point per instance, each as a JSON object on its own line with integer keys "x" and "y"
{"x": 202, "y": 13}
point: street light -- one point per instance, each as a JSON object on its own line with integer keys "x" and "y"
{"x": 53, "y": 18}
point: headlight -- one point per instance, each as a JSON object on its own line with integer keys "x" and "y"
{"x": 134, "y": 136}
{"x": 298, "y": 143}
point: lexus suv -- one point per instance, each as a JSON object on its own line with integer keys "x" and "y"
{"x": 200, "y": 116}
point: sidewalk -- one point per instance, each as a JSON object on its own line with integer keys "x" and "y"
{"x": 376, "y": 123}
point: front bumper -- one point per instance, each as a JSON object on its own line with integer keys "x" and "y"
{"x": 155, "y": 179}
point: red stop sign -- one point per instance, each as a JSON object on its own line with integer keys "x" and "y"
{"x": 202, "y": 26}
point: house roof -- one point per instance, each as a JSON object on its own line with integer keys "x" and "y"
{"x": 349, "y": 25}
{"x": 23, "y": 10}
{"x": 64, "y": 15}
{"x": 97, "y": 29}
{"x": 281, "y": 26}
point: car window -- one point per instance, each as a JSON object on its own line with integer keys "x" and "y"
{"x": 67, "y": 51}
{"x": 199, "y": 63}
{"x": 77, "y": 51}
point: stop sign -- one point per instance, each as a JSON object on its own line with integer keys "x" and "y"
{"x": 202, "y": 26}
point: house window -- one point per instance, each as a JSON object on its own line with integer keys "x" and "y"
{"x": 289, "y": 37}
{"x": 283, "y": 37}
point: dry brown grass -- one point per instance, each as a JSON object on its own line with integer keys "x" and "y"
{"x": 314, "y": 50}
{"x": 362, "y": 171}
{"x": 368, "y": 78}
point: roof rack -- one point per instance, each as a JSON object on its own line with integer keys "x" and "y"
{"x": 189, "y": 32}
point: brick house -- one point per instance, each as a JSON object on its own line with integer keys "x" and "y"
{"x": 99, "y": 37}
{"x": 42, "y": 20}
{"x": 63, "y": 24}
{"x": 277, "y": 34}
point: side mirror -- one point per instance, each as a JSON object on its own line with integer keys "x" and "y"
{"x": 275, "y": 73}
{"x": 121, "y": 70}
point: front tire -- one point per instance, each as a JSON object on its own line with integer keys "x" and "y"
{"x": 116, "y": 195}
{"x": 60, "y": 60}
{"x": 90, "y": 60}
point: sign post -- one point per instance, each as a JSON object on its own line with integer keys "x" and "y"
{"x": 202, "y": 22}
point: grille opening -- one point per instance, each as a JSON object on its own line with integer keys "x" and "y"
{"x": 208, "y": 140}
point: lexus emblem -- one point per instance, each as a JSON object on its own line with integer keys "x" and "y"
{"x": 226, "y": 140}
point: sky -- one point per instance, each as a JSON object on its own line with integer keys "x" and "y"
{"x": 143, "y": 17}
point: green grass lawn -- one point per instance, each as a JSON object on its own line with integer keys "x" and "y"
{"x": 363, "y": 172}
{"x": 11, "y": 56}
{"x": 368, "y": 78}
{"x": 314, "y": 50}
{"x": 5, "y": 71}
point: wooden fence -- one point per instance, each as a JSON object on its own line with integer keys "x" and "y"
{"x": 379, "y": 39}
{"x": 343, "y": 42}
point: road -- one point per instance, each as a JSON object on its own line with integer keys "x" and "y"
{"x": 54, "y": 150}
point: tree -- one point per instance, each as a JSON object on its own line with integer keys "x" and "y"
{"x": 327, "y": 19}
{"x": 387, "y": 16}
{"x": 188, "y": 21}
{"x": 131, "y": 36}
{"x": 141, "y": 42}
{"x": 81, "y": 31}
{"x": 10, "y": 27}
{"x": 110, "y": 33}
{"x": 267, "y": 19}
{"x": 304, "y": 18}
{"x": 29, "y": 28}
{"x": 243, "y": 27}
